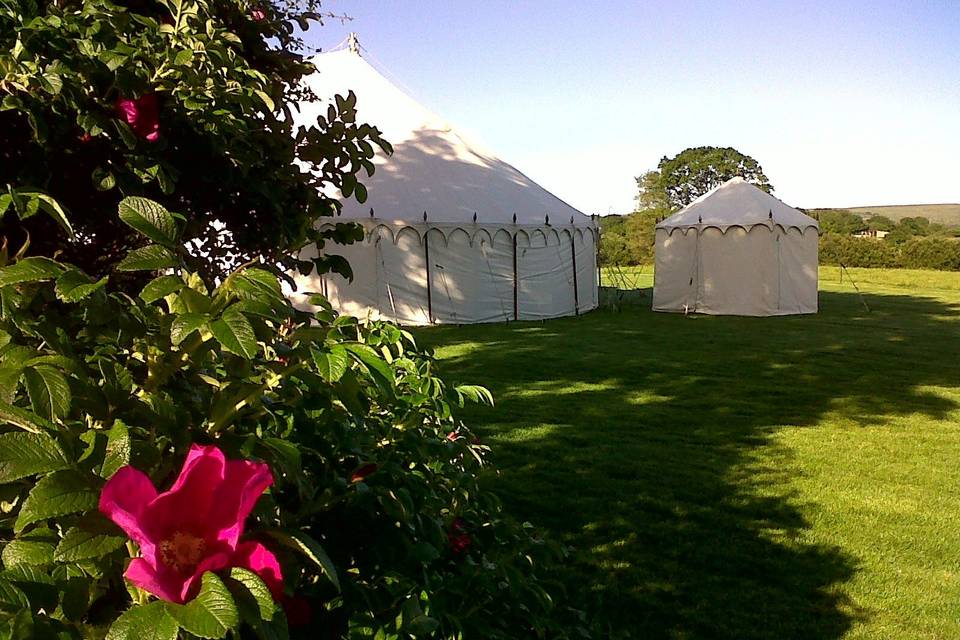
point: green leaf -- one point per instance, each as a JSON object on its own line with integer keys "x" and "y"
{"x": 11, "y": 369}
{"x": 424, "y": 552}
{"x": 145, "y": 622}
{"x": 52, "y": 83}
{"x": 25, "y": 454}
{"x": 36, "y": 584}
{"x": 93, "y": 538}
{"x": 161, "y": 287}
{"x": 103, "y": 179}
{"x": 149, "y": 218}
{"x": 26, "y": 551}
{"x": 76, "y": 598}
{"x": 53, "y": 209}
{"x": 17, "y": 626}
{"x": 212, "y": 613}
{"x": 35, "y": 269}
{"x": 48, "y": 390}
{"x": 257, "y": 284}
{"x": 118, "y": 449}
{"x": 152, "y": 257}
{"x": 379, "y": 370}
{"x": 249, "y": 589}
{"x": 24, "y": 419}
{"x": 303, "y": 543}
{"x": 235, "y": 333}
{"x": 331, "y": 365}
{"x": 58, "y": 494}
{"x": 267, "y": 100}
{"x": 113, "y": 59}
{"x": 475, "y": 393}
{"x": 12, "y": 598}
{"x": 185, "y": 324}
{"x": 183, "y": 57}
{"x": 74, "y": 285}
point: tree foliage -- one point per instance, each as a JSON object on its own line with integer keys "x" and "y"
{"x": 839, "y": 221}
{"x": 187, "y": 102}
{"x": 680, "y": 180}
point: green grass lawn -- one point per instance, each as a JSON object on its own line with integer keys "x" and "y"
{"x": 722, "y": 477}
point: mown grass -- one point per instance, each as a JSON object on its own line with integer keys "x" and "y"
{"x": 722, "y": 477}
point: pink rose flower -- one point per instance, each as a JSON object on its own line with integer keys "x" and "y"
{"x": 458, "y": 537}
{"x": 258, "y": 14}
{"x": 142, "y": 114}
{"x": 195, "y": 526}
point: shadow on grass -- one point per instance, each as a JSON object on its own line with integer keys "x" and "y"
{"x": 634, "y": 437}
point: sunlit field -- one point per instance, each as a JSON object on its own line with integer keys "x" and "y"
{"x": 722, "y": 477}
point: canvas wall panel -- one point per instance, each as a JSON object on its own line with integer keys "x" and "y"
{"x": 675, "y": 271}
{"x": 544, "y": 276}
{"x": 472, "y": 280}
{"x": 798, "y": 262}
{"x": 738, "y": 272}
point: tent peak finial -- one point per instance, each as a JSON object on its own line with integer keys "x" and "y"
{"x": 353, "y": 43}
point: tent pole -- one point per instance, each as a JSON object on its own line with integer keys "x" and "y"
{"x": 573, "y": 255}
{"x": 516, "y": 297}
{"x": 595, "y": 236}
{"x": 426, "y": 256}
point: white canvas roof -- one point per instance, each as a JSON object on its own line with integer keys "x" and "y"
{"x": 433, "y": 168}
{"x": 737, "y": 203}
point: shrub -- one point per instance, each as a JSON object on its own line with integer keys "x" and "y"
{"x": 858, "y": 252}
{"x": 916, "y": 253}
{"x": 931, "y": 253}
{"x": 375, "y": 514}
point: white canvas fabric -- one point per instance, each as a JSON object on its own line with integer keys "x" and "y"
{"x": 475, "y": 205}
{"x": 736, "y": 251}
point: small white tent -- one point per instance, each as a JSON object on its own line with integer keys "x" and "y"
{"x": 736, "y": 250}
{"x": 453, "y": 234}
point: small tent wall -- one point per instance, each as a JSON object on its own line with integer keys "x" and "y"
{"x": 736, "y": 251}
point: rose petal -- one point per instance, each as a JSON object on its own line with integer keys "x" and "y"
{"x": 163, "y": 583}
{"x": 260, "y": 560}
{"x": 124, "y": 500}
{"x": 188, "y": 503}
{"x": 243, "y": 484}
{"x": 213, "y": 562}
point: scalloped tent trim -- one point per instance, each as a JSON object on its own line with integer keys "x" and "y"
{"x": 738, "y": 203}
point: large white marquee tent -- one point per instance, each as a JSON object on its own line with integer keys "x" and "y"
{"x": 453, "y": 234}
{"x": 736, "y": 250}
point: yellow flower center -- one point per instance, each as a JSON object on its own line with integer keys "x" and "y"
{"x": 182, "y": 551}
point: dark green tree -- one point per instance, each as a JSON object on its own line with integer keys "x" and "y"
{"x": 880, "y": 223}
{"x": 680, "y": 180}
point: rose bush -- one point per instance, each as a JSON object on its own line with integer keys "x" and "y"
{"x": 186, "y": 102}
{"x": 312, "y": 488}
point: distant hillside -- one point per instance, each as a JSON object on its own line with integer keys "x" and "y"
{"x": 943, "y": 213}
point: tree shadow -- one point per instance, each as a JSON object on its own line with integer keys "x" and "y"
{"x": 634, "y": 437}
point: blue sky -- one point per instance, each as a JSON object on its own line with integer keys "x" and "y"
{"x": 843, "y": 103}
